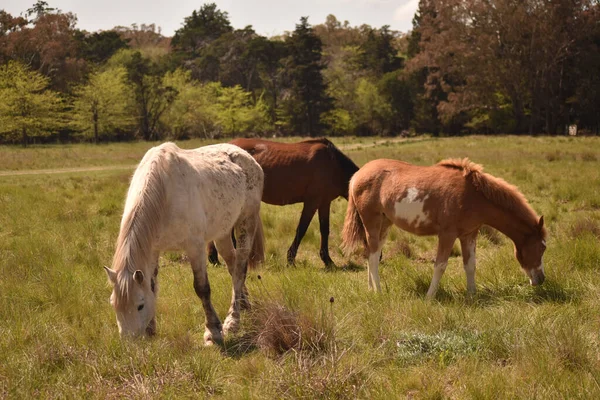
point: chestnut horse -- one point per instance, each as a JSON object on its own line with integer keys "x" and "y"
{"x": 451, "y": 199}
{"x": 313, "y": 172}
{"x": 179, "y": 200}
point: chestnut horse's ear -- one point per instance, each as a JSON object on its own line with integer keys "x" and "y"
{"x": 112, "y": 275}
{"x": 541, "y": 223}
{"x": 138, "y": 276}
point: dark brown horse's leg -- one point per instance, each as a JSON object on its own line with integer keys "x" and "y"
{"x": 324, "y": 227}
{"x": 213, "y": 254}
{"x": 307, "y": 213}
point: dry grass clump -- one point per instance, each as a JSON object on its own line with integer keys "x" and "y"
{"x": 276, "y": 329}
{"x": 586, "y": 225}
{"x": 588, "y": 156}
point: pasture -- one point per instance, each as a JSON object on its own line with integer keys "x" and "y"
{"x": 313, "y": 332}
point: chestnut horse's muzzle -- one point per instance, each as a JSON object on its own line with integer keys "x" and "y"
{"x": 536, "y": 276}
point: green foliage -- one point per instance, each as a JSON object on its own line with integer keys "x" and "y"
{"x": 308, "y": 100}
{"x": 209, "y": 110}
{"x": 152, "y": 98}
{"x": 200, "y": 28}
{"x": 102, "y": 106}
{"x": 98, "y": 47}
{"x": 339, "y": 122}
{"x": 27, "y": 107}
{"x": 372, "y": 109}
{"x": 236, "y": 114}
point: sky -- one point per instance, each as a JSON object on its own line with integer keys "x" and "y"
{"x": 268, "y": 17}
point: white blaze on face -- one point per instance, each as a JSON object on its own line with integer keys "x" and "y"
{"x": 410, "y": 208}
{"x": 540, "y": 268}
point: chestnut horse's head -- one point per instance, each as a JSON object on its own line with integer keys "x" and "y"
{"x": 530, "y": 253}
{"x": 134, "y": 300}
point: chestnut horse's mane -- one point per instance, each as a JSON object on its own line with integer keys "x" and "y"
{"x": 497, "y": 190}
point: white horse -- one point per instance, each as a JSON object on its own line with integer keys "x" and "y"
{"x": 180, "y": 200}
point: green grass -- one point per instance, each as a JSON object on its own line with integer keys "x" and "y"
{"x": 58, "y": 336}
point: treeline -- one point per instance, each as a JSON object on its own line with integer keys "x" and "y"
{"x": 499, "y": 66}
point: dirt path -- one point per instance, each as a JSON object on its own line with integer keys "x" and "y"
{"x": 352, "y": 146}
{"x": 65, "y": 170}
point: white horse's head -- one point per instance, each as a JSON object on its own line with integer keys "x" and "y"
{"x": 134, "y": 300}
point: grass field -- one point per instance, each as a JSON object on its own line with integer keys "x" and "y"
{"x": 58, "y": 336}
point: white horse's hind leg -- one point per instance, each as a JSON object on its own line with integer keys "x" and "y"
{"x": 445, "y": 244}
{"x": 245, "y": 232}
{"x": 468, "y": 244}
{"x": 212, "y": 332}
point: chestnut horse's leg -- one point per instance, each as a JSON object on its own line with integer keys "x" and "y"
{"x": 376, "y": 228}
{"x": 324, "y": 228}
{"x": 212, "y": 332}
{"x": 307, "y": 213}
{"x": 445, "y": 243}
{"x": 468, "y": 244}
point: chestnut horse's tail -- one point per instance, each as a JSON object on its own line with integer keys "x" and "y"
{"x": 257, "y": 254}
{"x": 354, "y": 229}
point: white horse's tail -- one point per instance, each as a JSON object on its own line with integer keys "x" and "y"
{"x": 257, "y": 254}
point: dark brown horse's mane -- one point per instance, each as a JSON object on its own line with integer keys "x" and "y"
{"x": 348, "y": 166}
{"x": 497, "y": 190}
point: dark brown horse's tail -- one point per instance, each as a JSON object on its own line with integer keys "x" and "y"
{"x": 257, "y": 254}
{"x": 354, "y": 229}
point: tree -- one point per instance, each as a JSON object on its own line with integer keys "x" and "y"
{"x": 236, "y": 114}
{"x": 200, "y": 29}
{"x": 101, "y": 106}
{"x": 372, "y": 108}
{"x": 98, "y": 47}
{"x": 377, "y": 52}
{"x": 47, "y": 44}
{"x": 26, "y": 105}
{"x": 308, "y": 98}
{"x": 208, "y": 110}
{"x": 503, "y": 57}
{"x": 152, "y": 98}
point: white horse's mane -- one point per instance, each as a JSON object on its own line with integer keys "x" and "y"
{"x": 141, "y": 217}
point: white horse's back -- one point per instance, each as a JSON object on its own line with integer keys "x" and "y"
{"x": 207, "y": 190}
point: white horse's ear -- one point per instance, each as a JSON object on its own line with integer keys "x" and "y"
{"x": 138, "y": 276}
{"x": 112, "y": 275}
{"x": 541, "y": 223}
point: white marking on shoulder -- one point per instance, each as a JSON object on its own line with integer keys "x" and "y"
{"x": 410, "y": 208}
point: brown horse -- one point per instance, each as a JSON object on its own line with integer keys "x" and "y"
{"x": 313, "y": 172}
{"x": 451, "y": 200}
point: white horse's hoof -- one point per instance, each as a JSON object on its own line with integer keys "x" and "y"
{"x": 212, "y": 337}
